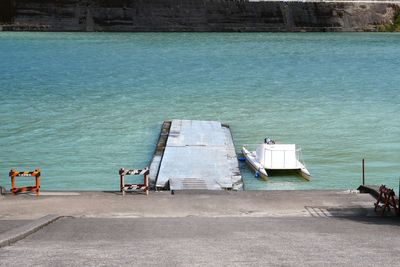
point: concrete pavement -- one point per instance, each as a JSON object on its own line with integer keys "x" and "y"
{"x": 186, "y": 203}
{"x": 271, "y": 228}
{"x": 17, "y": 233}
{"x": 202, "y": 241}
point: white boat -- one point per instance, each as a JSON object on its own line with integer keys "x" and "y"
{"x": 272, "y": 156}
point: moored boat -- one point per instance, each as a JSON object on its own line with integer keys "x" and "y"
{"x": 256, "y": 166}
{"x": 272, "y": 156}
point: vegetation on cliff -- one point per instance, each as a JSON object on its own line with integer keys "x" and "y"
{"x": 394, "y": 27}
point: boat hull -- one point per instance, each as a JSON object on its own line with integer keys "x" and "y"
{"x": 304, "y": 173}
{"x": 254, "y": 165}
{"x": 257, "y": 167}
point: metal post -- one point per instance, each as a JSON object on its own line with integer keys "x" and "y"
{"x": 122, "y": 181}
{"x": 363, "y": 172}
{"x": 13, "y": 184}
{"x": 123, "y": 184}
{"x": 146, "y": 183}
{"x": 13, "y": 174}
{"x": 37, "y": 182}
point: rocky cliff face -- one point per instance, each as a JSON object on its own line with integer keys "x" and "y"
{"x": 192, "y": 15}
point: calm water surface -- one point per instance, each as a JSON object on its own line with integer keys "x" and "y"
{"x": 82, "y": 105}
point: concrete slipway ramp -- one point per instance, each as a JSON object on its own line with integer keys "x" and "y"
{"x": 199, "y": 155}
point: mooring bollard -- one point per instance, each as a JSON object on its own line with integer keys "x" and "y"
{"x": 130, "y": 187}
{"x": 15, "y": 190}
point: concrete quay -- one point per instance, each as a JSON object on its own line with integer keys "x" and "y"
{"x": 187, "y": 203}
{"x": 220, "y": 228}
{"x": 192, "y": 241}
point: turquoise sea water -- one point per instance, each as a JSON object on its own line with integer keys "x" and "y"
{"x": 82, "y": 105}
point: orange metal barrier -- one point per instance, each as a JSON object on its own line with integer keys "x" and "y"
{"x": 15, "y": 190}
{"x": 130, "y": 187}
{"x": 386, "y": 199}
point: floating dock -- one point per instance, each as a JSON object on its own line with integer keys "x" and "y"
{"x": 195, "y": 155}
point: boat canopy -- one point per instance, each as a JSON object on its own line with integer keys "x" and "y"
{"x": 278, "y": 156}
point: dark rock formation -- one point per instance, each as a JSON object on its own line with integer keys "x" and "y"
{"x": 7, "y": 11}
{"x": 192, "y": 15}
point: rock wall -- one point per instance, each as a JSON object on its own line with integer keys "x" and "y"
{"x": 192, "y": 15}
